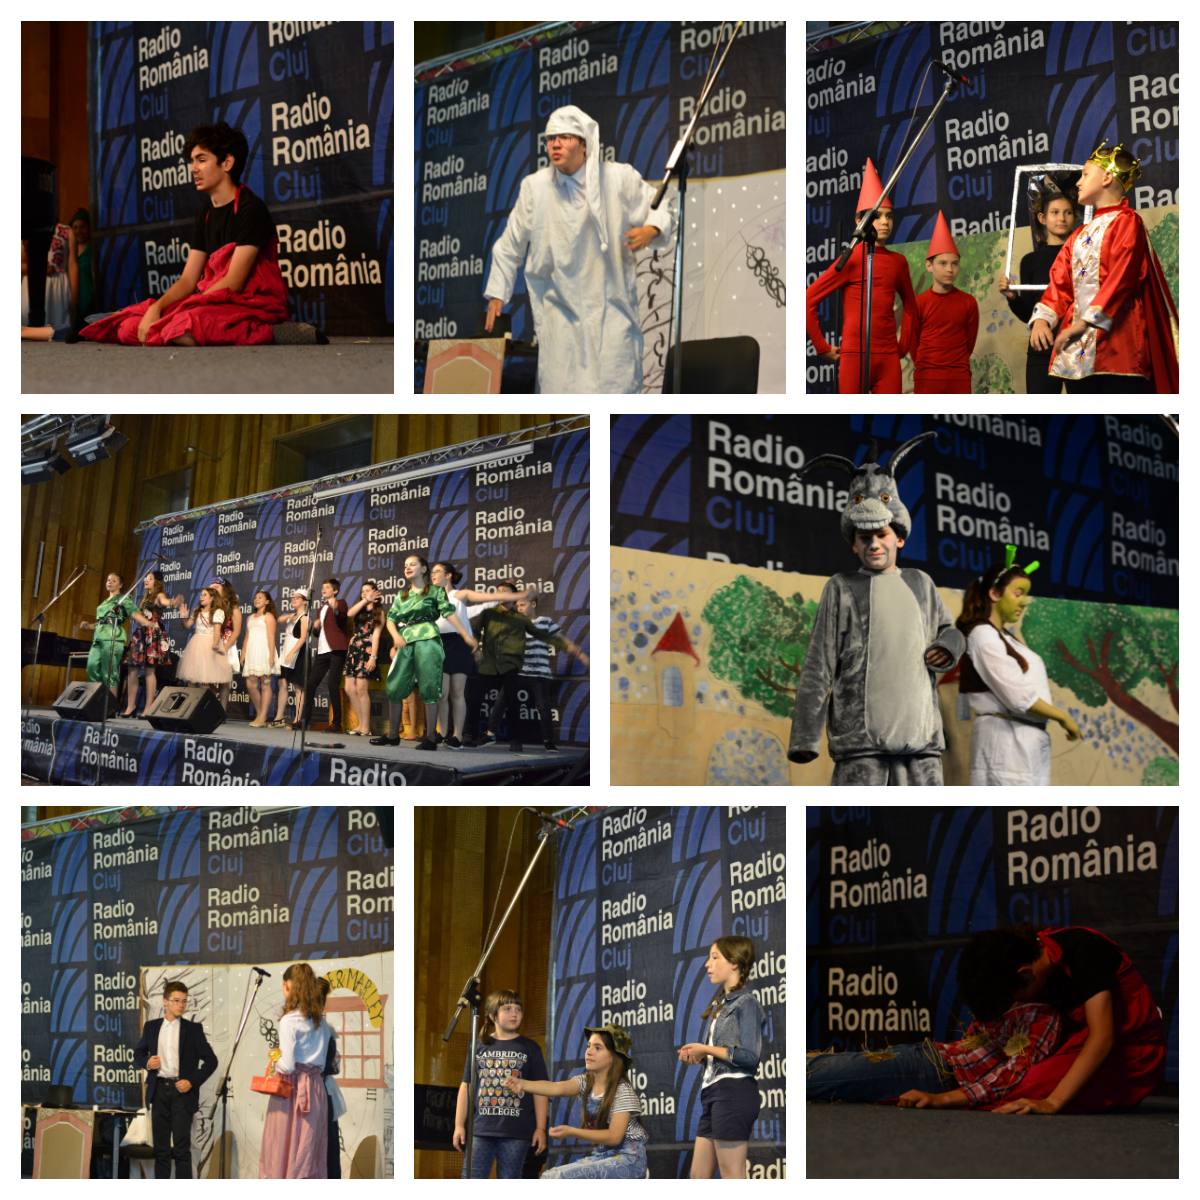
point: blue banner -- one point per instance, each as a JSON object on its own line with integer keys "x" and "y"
{"x": 315, "y": 100}
{"x": 640, "y": 895}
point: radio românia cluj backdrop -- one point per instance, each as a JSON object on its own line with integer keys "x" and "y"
{"x": 640, "y": 895}
{"x": 315, "y": 100}
{"x": 894, "y": 894}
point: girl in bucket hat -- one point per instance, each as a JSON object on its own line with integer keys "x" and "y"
{"x": 610, "y": 1109}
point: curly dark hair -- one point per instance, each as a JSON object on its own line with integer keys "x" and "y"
{"x": 987, "y": 969}
{"x": 220, "y": 140}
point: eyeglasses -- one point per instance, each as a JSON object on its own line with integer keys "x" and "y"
{"x": 563, "y": 137}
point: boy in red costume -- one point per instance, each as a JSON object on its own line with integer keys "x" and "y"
{"x": 889, "y": 277}
{"x": 948, "y": 325}
{"x": 1124, "y": 336}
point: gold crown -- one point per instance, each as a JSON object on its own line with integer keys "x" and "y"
{"x": 1107, "y": 160}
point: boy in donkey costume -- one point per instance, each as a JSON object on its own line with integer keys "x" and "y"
{"x": 880, "y": 634}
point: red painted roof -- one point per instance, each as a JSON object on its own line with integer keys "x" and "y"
{"x": 676, "y": 640}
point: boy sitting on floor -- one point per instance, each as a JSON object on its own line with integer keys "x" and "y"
{"x": 231, "y": 292}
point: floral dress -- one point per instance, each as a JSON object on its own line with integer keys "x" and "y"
{"x": 149, "y": 646}
{"x": 359, "y": 649}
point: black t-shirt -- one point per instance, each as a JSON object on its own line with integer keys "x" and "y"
{"x": 1093, "y": 962}
{"x": 251, "y": 225}
{"x": 1035, "y": 268}
{"x": 500, "y": 1114}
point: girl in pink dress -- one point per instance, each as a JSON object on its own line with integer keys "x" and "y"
{"x": 295, "y": 1137}
{"x": 204, "y": 659}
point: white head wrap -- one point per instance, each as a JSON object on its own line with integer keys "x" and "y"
{"x": 575, "y": 121}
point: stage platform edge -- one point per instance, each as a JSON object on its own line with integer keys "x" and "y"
{"x": 57, "y": 751}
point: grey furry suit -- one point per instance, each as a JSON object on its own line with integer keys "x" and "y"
{"x": 865, "y": 677}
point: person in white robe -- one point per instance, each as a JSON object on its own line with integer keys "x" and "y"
{"x": 577, "y": 227}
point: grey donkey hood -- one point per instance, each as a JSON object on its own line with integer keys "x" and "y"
{"x": 872, "y": 501}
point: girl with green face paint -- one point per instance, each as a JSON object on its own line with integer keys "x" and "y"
{"x": 1005, "y": 682}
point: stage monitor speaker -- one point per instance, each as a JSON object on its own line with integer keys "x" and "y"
{"x": 387, "y": 824}
{"x": 185, "y": 710}
{"x": 84, "y": 701}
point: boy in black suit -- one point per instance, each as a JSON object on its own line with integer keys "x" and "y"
{"x": 173, "y": 1050}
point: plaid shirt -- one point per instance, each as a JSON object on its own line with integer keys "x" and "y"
{"x": 993, "y": 1057}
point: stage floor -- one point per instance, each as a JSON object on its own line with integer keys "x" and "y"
{"x": 131, "y": 752}
{"x": 358, "y": 366}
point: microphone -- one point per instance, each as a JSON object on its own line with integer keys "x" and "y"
{"x": 261, "y": 971}
{"x": 550, "y": 820}
{"x": 950, "y": 72}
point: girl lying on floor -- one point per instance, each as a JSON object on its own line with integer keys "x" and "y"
{"x": 1092, "y": 1042}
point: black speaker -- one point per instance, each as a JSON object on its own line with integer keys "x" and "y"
{"x": 84, "y": 701}
{"x": 185, "y": 710}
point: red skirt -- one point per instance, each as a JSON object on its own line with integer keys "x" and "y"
{"x": 213, "y": 318}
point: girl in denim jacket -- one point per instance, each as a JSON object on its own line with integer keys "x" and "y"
{"x": 729, "y": 1054}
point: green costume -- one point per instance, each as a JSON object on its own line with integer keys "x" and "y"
{"x": 108, "y": 645}
{"x": 421, "y": 658}
{"x": 503, "y": 632}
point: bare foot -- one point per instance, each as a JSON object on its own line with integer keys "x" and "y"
{"x": 37, "y": 333}
{"x": 185, "y": 340}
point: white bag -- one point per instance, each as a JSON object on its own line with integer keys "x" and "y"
{"x": 139, "y": 1132}
{"x": 337, "y": 1102}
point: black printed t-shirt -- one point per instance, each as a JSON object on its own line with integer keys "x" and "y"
{"x": 500, "y": 1114}
{"x": 251, "y": 225}
{"x": 1093, "y": 962}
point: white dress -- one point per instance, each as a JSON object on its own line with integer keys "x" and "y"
{"x": 1005, "y": 752}
{"x": 200, "y": 663}
{"x": 258, "y": 649}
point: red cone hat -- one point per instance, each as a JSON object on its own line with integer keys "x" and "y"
{"x": 872, "y": 185}
{"x": 942, "y": 242}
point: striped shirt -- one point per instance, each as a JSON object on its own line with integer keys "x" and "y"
{"x": 537, "y": 654}
{"x": 626, "y": 1100}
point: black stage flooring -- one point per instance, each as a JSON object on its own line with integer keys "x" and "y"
{"x": 879, "y": 1141}
{"x": 131, "y": 752}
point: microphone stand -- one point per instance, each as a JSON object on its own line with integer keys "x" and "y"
{"x": 470, "y": 992}
{"x": 860, "y": 235}
{"x": 309, "y": 702}
{"x": 222, "y": 1096}
{"x": 678, "y": 165}
{"x": 37, "y": 641}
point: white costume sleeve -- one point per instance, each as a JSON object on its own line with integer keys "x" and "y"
{"x": 508, "y": 254}
{"x": 638, "y": 194}
{"x": 1015, "y": 689}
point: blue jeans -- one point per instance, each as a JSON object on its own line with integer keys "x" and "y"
{"x": 508, "y": 1154}
{"x": 854, "y": 1077}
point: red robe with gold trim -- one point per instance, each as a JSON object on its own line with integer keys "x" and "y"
{"x": 1109, "y": 276}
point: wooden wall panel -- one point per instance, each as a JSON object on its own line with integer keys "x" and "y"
{"x": 92, "y": 511}
{"x": 460, "y": 855}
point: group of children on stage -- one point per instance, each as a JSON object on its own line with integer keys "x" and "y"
{"x": 432, "y": 650}
{"x": 512, "y": 1088}
{"x": 1106, "y": 322}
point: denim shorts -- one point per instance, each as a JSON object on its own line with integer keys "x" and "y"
{"x": 729, "y": 1109}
